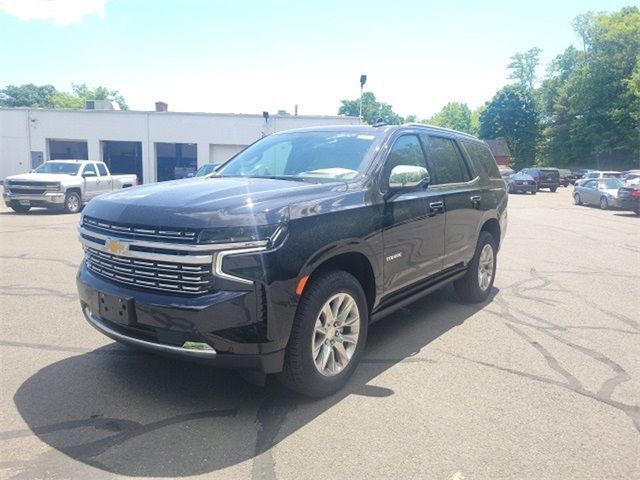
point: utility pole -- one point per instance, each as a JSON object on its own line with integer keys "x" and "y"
{"x": 363, "y": 80}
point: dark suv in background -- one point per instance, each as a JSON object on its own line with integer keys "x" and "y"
{"x": 544, "y": 177}
{"x": 279, "y": 262}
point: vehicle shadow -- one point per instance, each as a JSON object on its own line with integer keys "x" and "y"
{"x": 132, "y": 413}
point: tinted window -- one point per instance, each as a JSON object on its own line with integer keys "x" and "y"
{"x": 405, "y": 151}
{"x": 88, "y": 168}
{"x": 102, "y": 169}
{"x": 445, "y": 161}
{"x": 482, "y": 159}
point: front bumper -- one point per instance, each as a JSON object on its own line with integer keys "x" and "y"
{"x": 523, "y": 188}
{"x": 226, "y": 321}
{"x": 628, "y": 203}
{"x": 48, "y": 199}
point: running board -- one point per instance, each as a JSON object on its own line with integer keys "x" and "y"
{"x": 383, "y": 312}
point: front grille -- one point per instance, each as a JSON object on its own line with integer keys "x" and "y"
{"x": 27, "y": 191}
{"x": 22, "y": 183}
{"x": 141, "y": 232}
{"x": 147, "y": 274}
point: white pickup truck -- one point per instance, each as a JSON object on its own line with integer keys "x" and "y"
{"x": 62, "y": 184}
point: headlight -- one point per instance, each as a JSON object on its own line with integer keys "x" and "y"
{"x": 253, "y": 233}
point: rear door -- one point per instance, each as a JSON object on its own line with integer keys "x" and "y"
{"x": 461, "y": 192}
{"x": 413, "y": 222}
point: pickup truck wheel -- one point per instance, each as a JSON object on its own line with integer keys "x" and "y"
{"x": 16, "y": 207}
{"x": 328, "y": 335}
{"x": 72, "y": 203}
{"x": 476, "y": 284}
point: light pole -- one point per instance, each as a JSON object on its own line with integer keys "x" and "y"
{"x": 363, "y": 80}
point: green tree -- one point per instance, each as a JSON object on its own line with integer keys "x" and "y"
{"x": 28, "y": 95}
{"x": 372, "y": 110}
{"x": 523, "y": 67}
{"x": 454, "y": 115}
{"x": 81, "y": 93}
{"x": 512, "y": 115}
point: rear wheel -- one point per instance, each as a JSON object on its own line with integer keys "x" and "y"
{"x": 553, "y": 189}
{"x": 328, "y": 335}
{"x": 476, "y": 284}
{"x": 16, "y": 207}
{"x": 72, "y": 203}
{"x": 604, "y": 203}
{"x": 576, "y": 199}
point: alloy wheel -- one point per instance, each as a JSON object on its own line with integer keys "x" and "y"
{"x": 335, "y": 335}
{"x": 485, "y": 267}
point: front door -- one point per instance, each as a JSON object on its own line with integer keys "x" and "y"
{"x": 413, "y": 223}
{"x": 91, "y": 181}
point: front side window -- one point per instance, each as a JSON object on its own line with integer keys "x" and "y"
{"x": 445, "y": 161}
{"x": 406, "y": 150}
{"x": 89, "y": 168}
{"x": 304, "y": 156}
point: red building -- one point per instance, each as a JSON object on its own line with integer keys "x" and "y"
{"x": 500, "y": 151}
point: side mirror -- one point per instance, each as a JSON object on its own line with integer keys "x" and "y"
{"x": 89, "y": 174}
{"x": 408, "y": 177}
{"x": 190, "y": 175}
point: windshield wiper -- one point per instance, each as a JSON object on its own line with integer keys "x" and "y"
{"x": 279, "y": 177}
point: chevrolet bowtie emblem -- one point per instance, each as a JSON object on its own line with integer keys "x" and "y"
{"x": 114, "y": 246}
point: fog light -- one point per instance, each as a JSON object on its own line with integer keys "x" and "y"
{"x": 196, "y": 345}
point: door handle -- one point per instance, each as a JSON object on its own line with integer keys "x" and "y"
{"x": 436, "y": 207}
{"x": 475, "y": 201}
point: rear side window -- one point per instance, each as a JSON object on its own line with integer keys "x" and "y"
{"x": 102, "y": 170}
{"x": 483, "y": 160}
{"x": 445, "y": 161}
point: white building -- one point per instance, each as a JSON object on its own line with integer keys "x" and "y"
{"x": 156, "y": 146}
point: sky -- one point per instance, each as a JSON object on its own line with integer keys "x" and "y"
{"x": 250, "y": 56}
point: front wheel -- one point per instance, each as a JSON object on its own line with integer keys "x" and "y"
{"x": 476, "y": 284}
{"x": 328, "y": 335}
{"x": 553, "y": 189}
{"x": 604, "y": 203}
{"x": 72, "y": 203}
{"x": 16, "y": 207}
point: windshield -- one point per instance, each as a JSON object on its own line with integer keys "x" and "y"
{"x": 64, "y": 168}
{"x": 611, "y": 175}
{"x": 306, "y": 156}
{"x": 610, "y": 184}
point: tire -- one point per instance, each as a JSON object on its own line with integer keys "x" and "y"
{"x": 300, "y": 372}
{"x": 72, "y": 203}
{"x": 604, "y": 203}
{"x": 576, "y": 199}
{"x": 553, "y": 189}
{"x": 637, "y": 211}
{"x": 533, "y": 192}
{"x": 16, "y": 207}
{"x": 469, "y": 287}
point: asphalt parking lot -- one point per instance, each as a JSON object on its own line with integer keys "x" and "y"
{"x": 541, "y": 382}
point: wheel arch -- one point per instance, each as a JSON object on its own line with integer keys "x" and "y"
{"x": 492, "y": 226}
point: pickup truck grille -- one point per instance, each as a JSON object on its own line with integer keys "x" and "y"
{"x": 141, "y": 232}
{"x": 27, "y": 191}
{"x": 24, "y": 183}
{"x": 153, "y": 275}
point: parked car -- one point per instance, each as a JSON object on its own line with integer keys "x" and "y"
{"x": 578, "y": 174}
{"x": 207, "y": 169}
{"x": 629, "y": 198}
{"x": 566, "y": 177}
{"x": 521, "y": 182}
{"x": 597, "y": 174}
{"x": 602, "y": 191}
{"x": 544, "y": 177}
{"x": 631, "y": 178}
{"x": 505, "y": 172}
{"x": 279, "y": 262}
{"x": 63, "y": 185}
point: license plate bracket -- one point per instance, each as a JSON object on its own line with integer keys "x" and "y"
{"x": 116, "y": 309}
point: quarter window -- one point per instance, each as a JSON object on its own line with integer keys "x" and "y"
{"x": 445, "y": 160}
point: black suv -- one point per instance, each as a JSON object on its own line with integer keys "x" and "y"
{"x": 279, "y": 262}
{"x": 544, "y": 177}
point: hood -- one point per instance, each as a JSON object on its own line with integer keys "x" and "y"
{"x": 41, "y": 177}
{"x": 208, "y": 202}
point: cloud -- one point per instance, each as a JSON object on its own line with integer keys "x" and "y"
{"x": 60, "y": 12}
